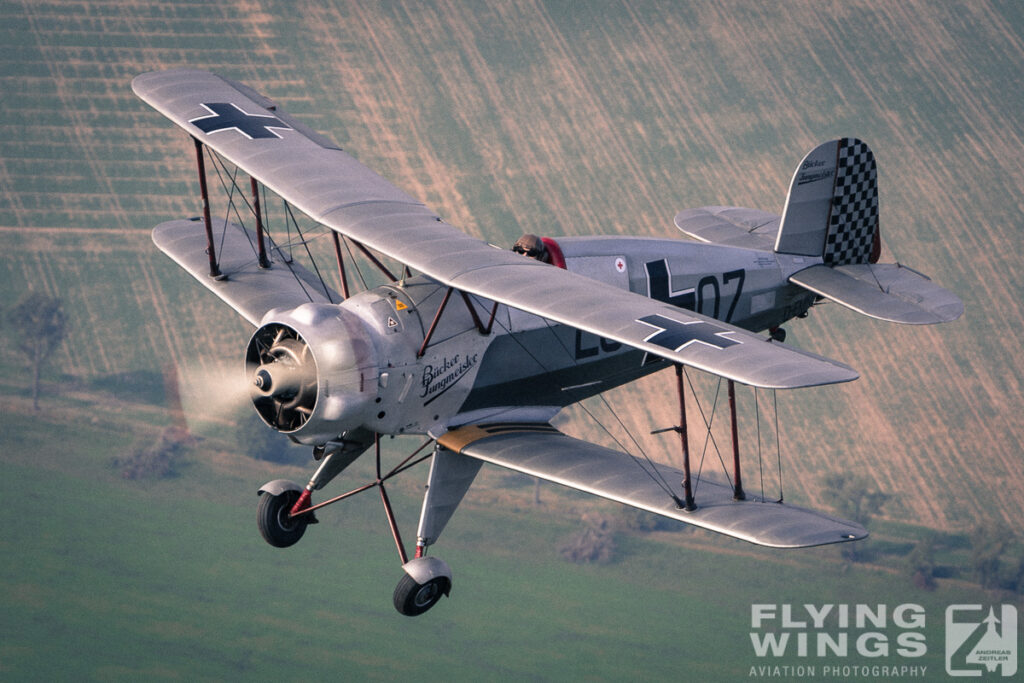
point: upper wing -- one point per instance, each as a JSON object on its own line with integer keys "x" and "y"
{"x": 730, "y": 225}
{"x": 336, "y": 190}
{"x": 542, "y": 451}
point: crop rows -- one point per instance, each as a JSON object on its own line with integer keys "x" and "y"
{"x": 529, "y": 117}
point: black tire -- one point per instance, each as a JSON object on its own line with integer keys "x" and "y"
{"x": 413, "y": 599}
{"x": 272, "y": 519}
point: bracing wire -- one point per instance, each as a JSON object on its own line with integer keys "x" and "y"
{"x": 230, "y": 186}
{"x": 355, "y": 263}
{"x": 659, "y": 479}
{"x": 305, "y": 244}
{"x": 231, "y": 194}
{"x": 657, "y": 473}
{"x": 710, "y": 436}
{"x": 218, "y": 166}
{"x": 221, "y": 169}
{"x": 654, "y": 467}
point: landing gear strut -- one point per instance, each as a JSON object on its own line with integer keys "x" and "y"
{"x": 285, "y": 510}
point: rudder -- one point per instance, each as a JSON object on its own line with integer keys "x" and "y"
{"x": 832, "y": 207}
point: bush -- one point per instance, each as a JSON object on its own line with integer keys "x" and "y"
{"x": 255, "y": 439}
{"x": 595, "y": 543}
{"x": 159, "y": 460}
{"x": 634, "y": 519}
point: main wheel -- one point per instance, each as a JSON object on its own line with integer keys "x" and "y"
{"x": 272, "y": 518}
{"x": 413, "y": 599}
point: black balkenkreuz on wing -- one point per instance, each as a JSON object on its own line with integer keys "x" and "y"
{"x": 674, "y": 335}
{"x": 228, "y": 116}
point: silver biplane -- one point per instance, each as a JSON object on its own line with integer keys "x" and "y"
{"x": 477, "y": 348}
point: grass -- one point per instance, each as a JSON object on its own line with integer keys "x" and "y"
{"x": 105, "y": 578}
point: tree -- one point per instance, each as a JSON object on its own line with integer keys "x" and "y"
{"x": 996, "y": 557}
{"x": 857, "y": 500}
{"x": 854, "y": 497}
{"x": 40, "y": 326}
{"x": 921, "y": 563}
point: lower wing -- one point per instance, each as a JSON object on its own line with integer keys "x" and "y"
{"x": 542, "y": 451}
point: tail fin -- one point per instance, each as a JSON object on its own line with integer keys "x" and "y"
{"x": 832, "y": 207}
{"x": 832, "y": 212}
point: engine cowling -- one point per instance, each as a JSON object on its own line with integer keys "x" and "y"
{"x": 313, "y": 372}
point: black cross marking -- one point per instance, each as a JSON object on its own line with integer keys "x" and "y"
{"x": 659, "y": 286}
{"x": 227, "y": 116}
{"x": 675, "y": 336}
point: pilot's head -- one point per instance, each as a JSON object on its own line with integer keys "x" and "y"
{"x": 532, "y": 246}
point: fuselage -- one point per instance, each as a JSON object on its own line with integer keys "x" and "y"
{"x": 528, "y": 367}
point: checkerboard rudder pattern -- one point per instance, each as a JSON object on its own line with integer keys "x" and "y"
{"x": 854, "y": 217}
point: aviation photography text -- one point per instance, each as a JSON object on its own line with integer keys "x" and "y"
{"x": 838, "y": 640}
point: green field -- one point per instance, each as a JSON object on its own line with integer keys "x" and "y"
{"x": 551, "y": 117}
{"x": 111, "y": 579}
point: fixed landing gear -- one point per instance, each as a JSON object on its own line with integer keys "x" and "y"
{"x": 276, "y": 527}
{"x": 426, "y": 579}
{"x": 285, "y": 510}
{"x": 413, "y": 599}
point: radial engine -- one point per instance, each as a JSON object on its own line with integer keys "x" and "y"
{"x": 313, "y": 372}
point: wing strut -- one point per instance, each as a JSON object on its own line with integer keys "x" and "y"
{"x": 262, "y": 256}
{"x": 737, "y": 482}
{"x": 375, "y": 261}
{"x": 684, "y": 440}
{"x": 201, "y": 164}
{"x": 689, "y": 504}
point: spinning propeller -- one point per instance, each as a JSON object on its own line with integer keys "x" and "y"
{"x": 283, "y": 372}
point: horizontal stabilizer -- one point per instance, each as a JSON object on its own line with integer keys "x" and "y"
{"x": 887, "y": 291}
{"x": 542, "y": 451}
{"x": 731, "y": 226}
{"x": 247, "y": 288}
